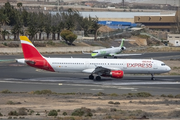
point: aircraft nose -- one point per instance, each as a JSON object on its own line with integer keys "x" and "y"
{"x": 93, "y": 54}
{"x": 168, "y": 68}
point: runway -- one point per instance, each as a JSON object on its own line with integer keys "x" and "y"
{"x": 21, "y": 78}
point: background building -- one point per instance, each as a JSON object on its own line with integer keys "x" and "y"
{"x": 161, "y": 22}
{"x": 174, "y": 39}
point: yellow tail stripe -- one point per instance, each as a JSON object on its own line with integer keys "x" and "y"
{"x": 25, "y": 39}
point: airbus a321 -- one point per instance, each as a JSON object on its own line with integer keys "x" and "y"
{"x": 115, "y": 68}
{"x": 113, "y": 51}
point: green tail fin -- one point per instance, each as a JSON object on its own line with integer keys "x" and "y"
{"x": 122, "y": 41}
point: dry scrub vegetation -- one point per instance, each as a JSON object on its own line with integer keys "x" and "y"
{"x": 46, "y": 104}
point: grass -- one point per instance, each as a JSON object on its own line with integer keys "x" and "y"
{"x": 39, "y": 92}
{"x": 140, "y": 94}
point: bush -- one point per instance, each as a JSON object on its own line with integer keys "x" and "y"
{"x": 100, "y": 94}
{"x": 13, "y": 113}
{"x": 43, "y": 92}
{"x": 114, "y": 94}
{"x": 10, "y": 103}
{"x": 38, "y": 44}
{"x": 143, "y": 94}
{"x": 6, "y": 91}
{"x": 117, "y": 103}
{"x": 37, "y": 113}
{"x": 177, "y": 96}
{"x": 22, "y": 111}
{"x": 13, "y": 103}
{"x": 50, "y": 42}
{"x": 78, "y": 112}
{"x": 163, "y": 95}
{"x": 64, "y": 113}
{"x": 31, "y": 112}
{"x": 53, "y": 113}
{"x": 113, "y": 109}
{"x": 110, "y": 102}
{"x": 5, "y": 44}
{"x": 82, "y": 111}
{"x": 170, "y": 96}
{"x": 12, "y": 45}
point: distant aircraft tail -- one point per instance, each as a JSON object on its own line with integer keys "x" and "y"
{"x": 122, "y": 42}
{"x": 121, "y": 46}
{"x": 32, "y": 56}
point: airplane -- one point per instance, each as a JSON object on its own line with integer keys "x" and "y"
{"x": 113, "y": 51}
{"x": 115, "y": 68}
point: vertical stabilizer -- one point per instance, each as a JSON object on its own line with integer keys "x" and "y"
{"x": 32, "y": 57}
{"x": 122, "y": 42}
{"x": 29, "y": 49}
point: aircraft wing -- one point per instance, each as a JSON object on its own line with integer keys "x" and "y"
{"x": 119, "y": 55}
{"x": 85, "y": 52}
{"x": 100, "y": 70}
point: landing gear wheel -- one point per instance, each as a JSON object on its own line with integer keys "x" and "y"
{"x": 98, "y": 78}
{"x": 91, "y": 77}
{"x": 152, "y": 77}
{"x": 105, "y": 56}
{"x": 115, "y": 57}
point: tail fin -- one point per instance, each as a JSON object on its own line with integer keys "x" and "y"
{"x": 29, "y": 49}
{"x": 122, "y": 42}
{"x": 32, "y": 57}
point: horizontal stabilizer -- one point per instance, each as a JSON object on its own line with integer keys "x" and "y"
{"x": 85, "y": 52}
{"x": 119, "y": 55}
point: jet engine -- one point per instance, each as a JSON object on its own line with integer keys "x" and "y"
{"x": 117, "y": 74}
{"x": 114, "y": 74}
{"x": 123, "y": 48}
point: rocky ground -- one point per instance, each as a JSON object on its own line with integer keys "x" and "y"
{"x": 79, "y": 106}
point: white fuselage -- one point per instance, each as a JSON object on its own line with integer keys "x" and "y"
{"x": 106, "y": 52}
{"x": 128, "y": 66}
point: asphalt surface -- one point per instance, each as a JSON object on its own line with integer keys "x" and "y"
{"x": 21, "y": 78}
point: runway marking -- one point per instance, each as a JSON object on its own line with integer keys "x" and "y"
{"x": 97, "y": 89}
{"x": 60, "y": 84}
{"x": 17, "y": 82}
{"x": 147, "y": 83}
{"x": 125, "y": 88}
{"x": 7, "y": 60}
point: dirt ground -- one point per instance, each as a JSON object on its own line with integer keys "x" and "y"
{"x": 154, "y": 107}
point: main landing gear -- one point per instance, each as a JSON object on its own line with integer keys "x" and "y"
{"x": 91, "y": 77}
{"x": 152, "y": 77}
{"x": 98, "y": 78}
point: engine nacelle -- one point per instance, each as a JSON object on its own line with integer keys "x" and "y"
{"x": 117, "y": 74}
{"x": 123, "y": 48}
{"x": 114, "y": 74}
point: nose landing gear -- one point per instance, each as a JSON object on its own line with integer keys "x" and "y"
{"x": 152, "y": 77}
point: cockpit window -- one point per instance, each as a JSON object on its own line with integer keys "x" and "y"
{"x": 162, "y": 64}
{"x": 94, "y": 52}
